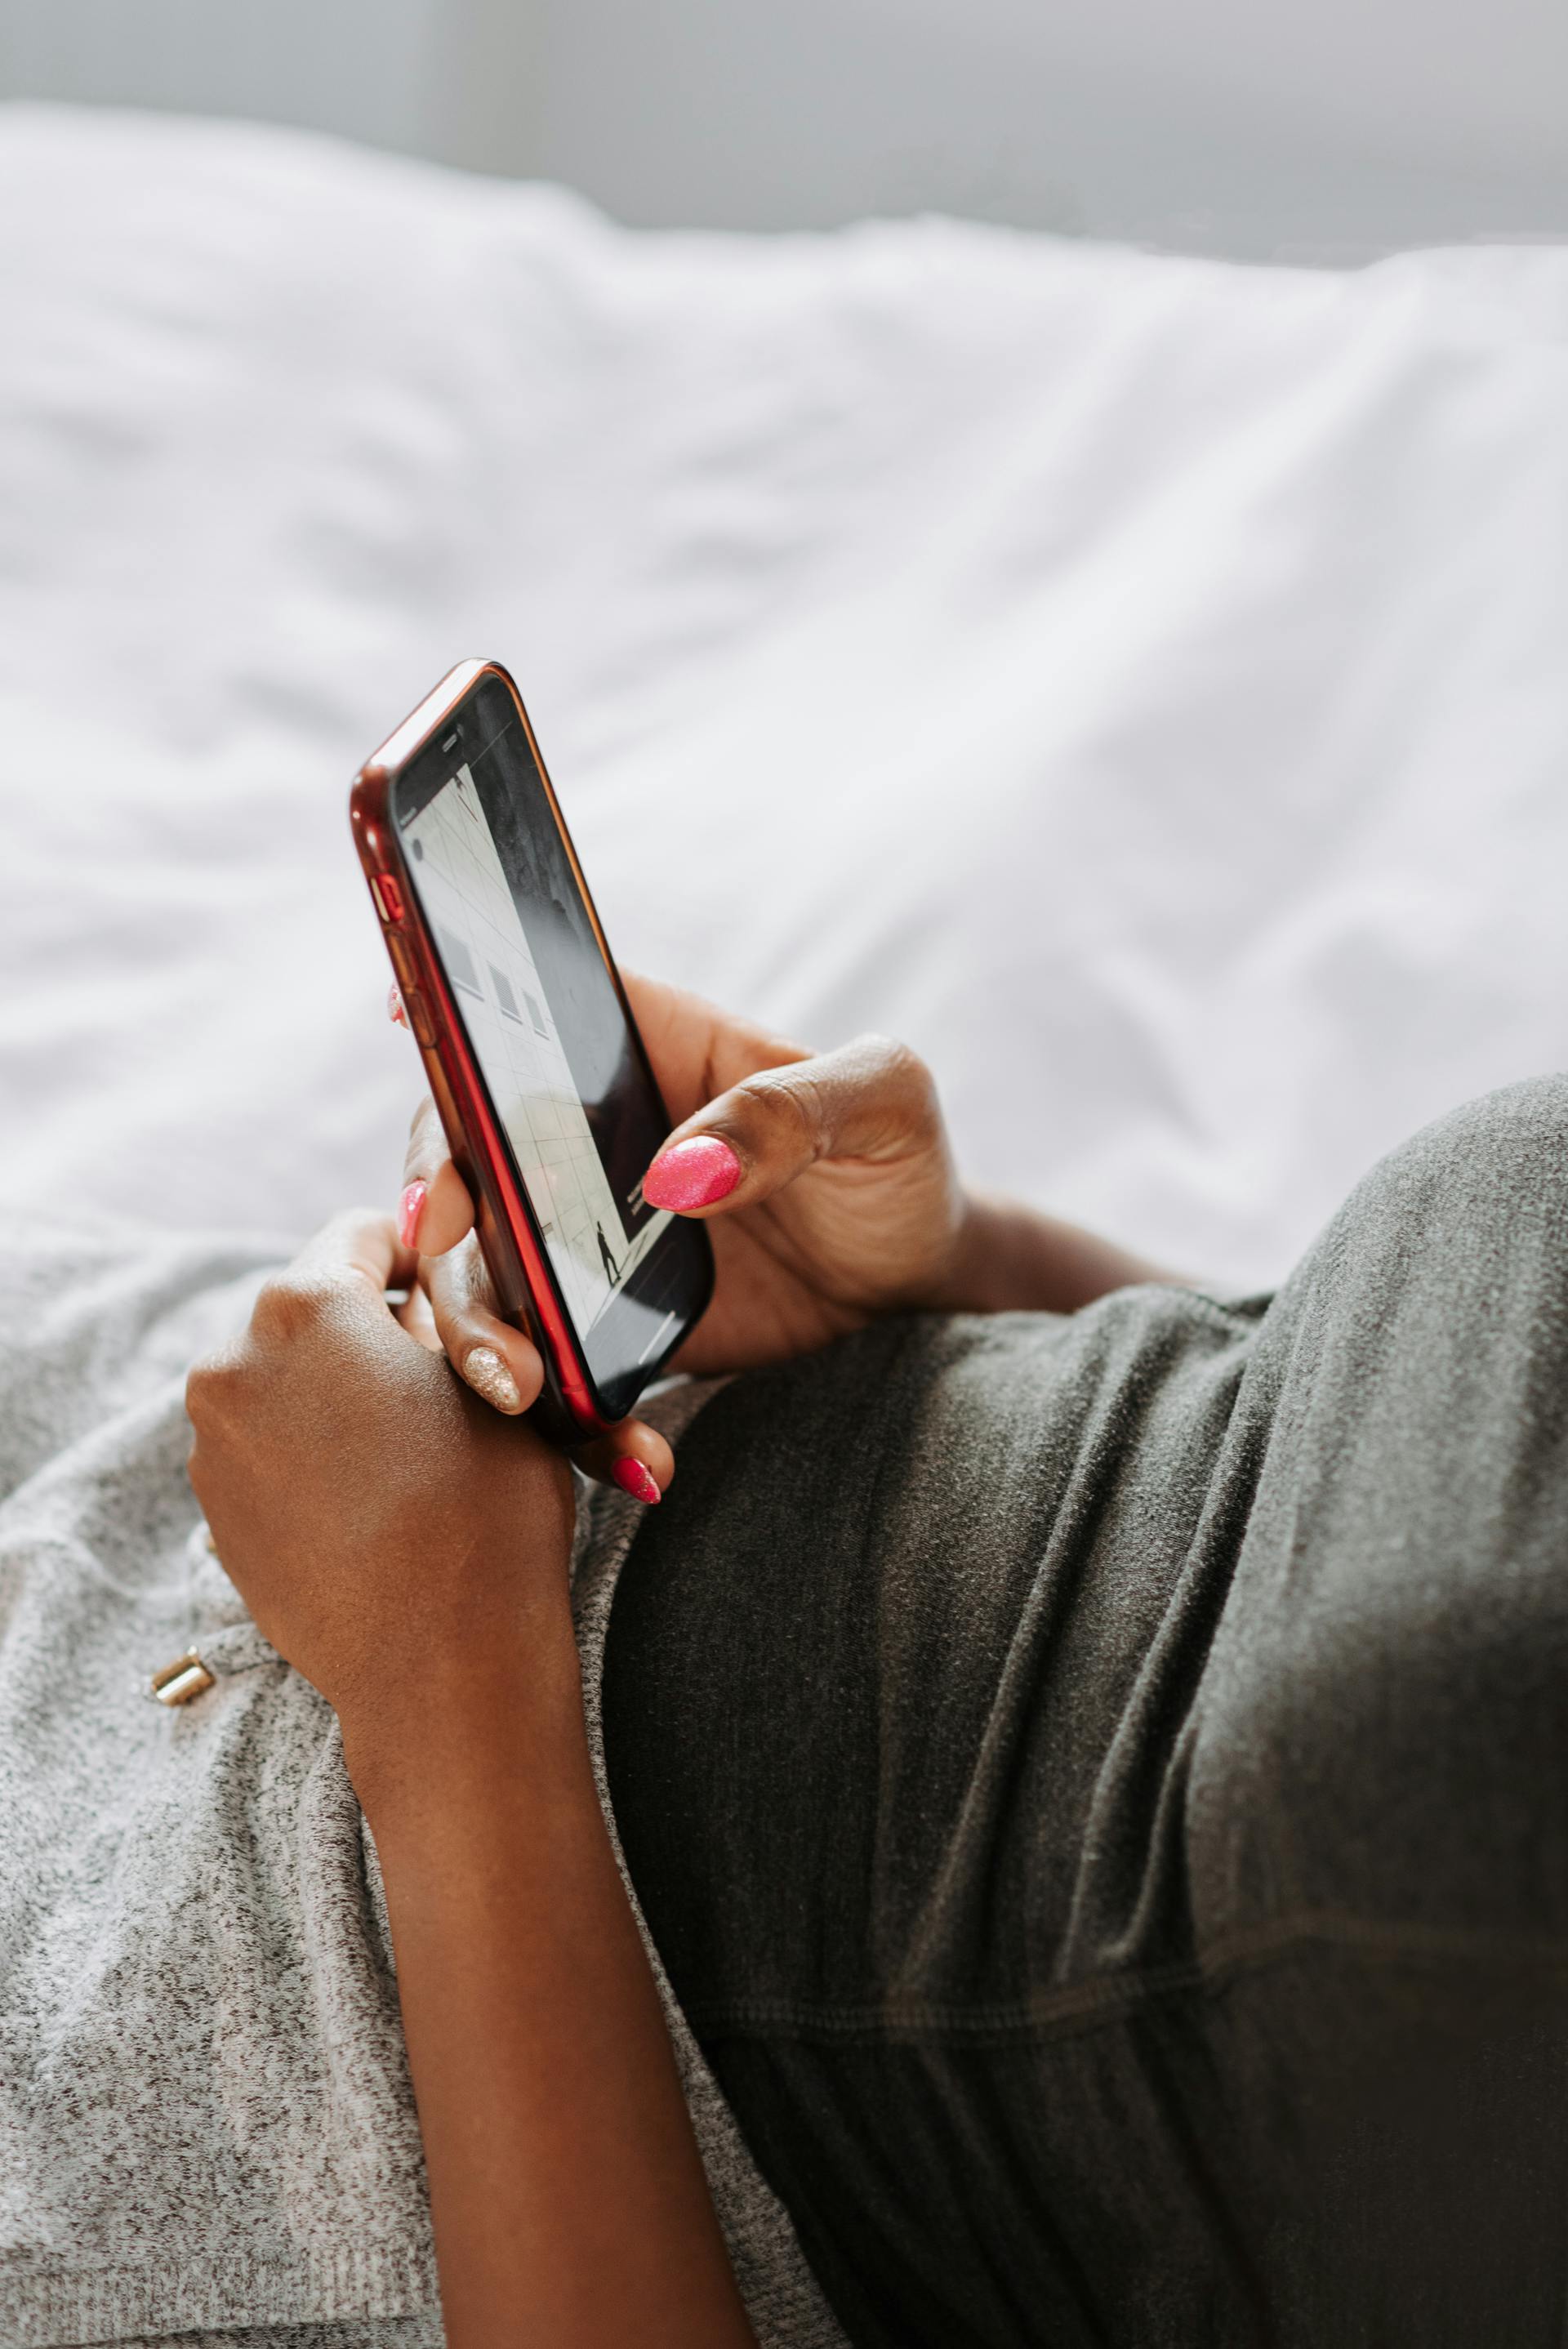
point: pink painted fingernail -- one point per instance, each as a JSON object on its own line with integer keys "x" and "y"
{"x": 634, "y": 1478}
{"x": 693, "y": 1174}
{"x": 395, "y": 1006}
{"x": 410, "y": 1207}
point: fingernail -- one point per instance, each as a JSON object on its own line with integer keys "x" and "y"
{"x": 634, "y": 1478}
{"x": 693, "y": 1174}
{"x": 410, "y": 1207}
{"x": 488, "y": 1376}
{"x": 395, "y": 1011}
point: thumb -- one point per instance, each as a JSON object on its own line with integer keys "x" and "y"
{"x": 871, "y": 1099}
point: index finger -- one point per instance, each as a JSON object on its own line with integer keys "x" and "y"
{"x": 871, "y": 1100}
{"x": 361, "y": 1243}
{"x": 435, "y": 1210}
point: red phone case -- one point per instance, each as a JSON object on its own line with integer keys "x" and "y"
{"x": 568, "y": 1409}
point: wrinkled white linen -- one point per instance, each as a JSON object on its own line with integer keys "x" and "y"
{"x": 1139, "y": 681}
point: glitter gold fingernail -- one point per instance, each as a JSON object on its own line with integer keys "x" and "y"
{"x": 488, "y": 1376}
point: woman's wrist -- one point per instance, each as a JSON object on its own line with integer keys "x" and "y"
{"x": 1002, "y": 1261}
{"x": 1010, "y": 1258}
{"x": 464, "y": 1719}
{"x": 974, "y": 1278}
{"x": 546, "y": 2089}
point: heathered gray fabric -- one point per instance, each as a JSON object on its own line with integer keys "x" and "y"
{"x": 1114, "y": 1853}
{"x": 206, "y": 2129}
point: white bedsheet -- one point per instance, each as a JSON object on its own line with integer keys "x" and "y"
{"x": 1143, "y": 683}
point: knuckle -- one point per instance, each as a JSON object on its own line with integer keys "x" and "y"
{"x": 274, "y": 1307}
{"x": 290, "y": 1305}
{"x": 356, "y": 1227}
{"x": 786, "y": 1103}
{"x": 899, "y": 1068}
{"x": 208, "y": 1388}
{"x": 889, "y": 1055}
{"x": 198, "y": 1393}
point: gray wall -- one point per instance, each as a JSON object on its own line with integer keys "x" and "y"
{"x": 350, "y": 66}
{"x": 1315, "y": 128}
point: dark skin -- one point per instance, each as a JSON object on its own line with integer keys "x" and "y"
{"x": 405, "y": 1546}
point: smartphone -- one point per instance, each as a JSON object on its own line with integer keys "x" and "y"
{"x": 530, "y": 1047}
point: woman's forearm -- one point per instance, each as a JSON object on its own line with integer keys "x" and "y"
{"x": 568, "y": 2200}
{"x": 1011, "y": 1258}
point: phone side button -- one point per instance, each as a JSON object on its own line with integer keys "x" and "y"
{"x": 419, "y": 1018}
{"x": 403, "y": 963}
{"x": 387, "y": 896}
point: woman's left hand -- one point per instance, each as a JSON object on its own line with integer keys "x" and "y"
{"x": 392, "y": 1536}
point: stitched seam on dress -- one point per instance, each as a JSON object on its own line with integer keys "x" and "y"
{"x": 1081, "y": 2006}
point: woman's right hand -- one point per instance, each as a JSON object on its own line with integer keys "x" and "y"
{"x": 826, "y": 1179}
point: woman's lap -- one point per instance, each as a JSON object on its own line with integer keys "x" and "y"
{"x": 1097, "y": 1786}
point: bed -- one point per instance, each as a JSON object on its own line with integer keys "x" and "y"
{"x": 1139, "y": 681}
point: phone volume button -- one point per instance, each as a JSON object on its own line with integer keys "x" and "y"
{"x": 403, "y": 963}
{"x": 419, "y": 1018}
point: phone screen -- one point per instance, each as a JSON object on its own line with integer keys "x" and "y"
{"x": 544, "y": 1024}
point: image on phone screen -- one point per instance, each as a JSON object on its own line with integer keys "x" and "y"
{"x": 596, "y": 1239}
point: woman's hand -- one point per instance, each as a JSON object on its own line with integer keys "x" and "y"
{"x": 826, "y": 1180}
{"x": 830, "y": 1195}
{"x": 392, "y": 1536}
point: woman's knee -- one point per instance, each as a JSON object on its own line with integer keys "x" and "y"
{"x": 1497, "y": 1166}
{"x": 1437, "y": 1299}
